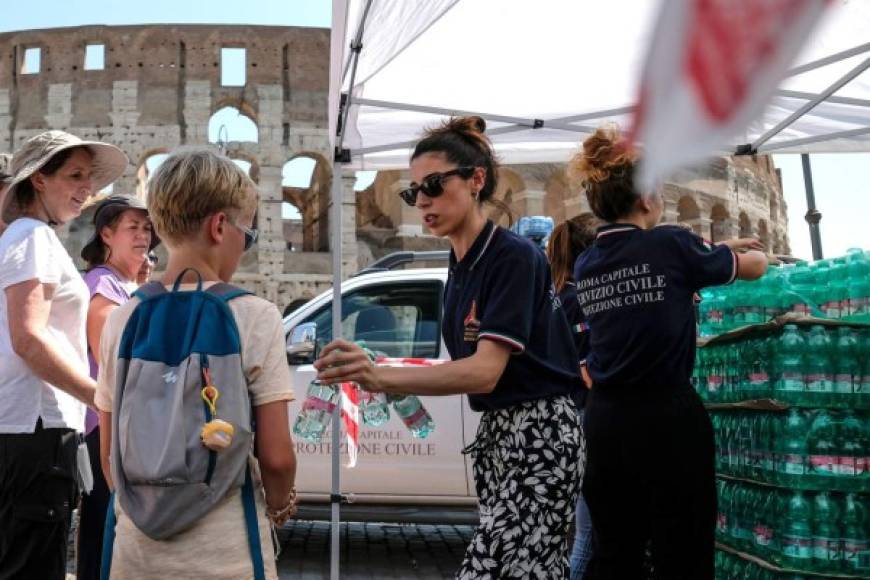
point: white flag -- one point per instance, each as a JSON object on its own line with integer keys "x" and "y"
{"x": 712, "y": 67}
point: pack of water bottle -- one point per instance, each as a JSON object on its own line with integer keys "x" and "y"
{"x": 838, "y": 288}
{"x": 536, "y": 228}
{"x": 321, "y": 400}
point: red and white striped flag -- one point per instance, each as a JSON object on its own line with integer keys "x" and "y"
{"x": 350, "y": 399}
{"x": 350, "y": 396}
{"x": 711, "y": 69}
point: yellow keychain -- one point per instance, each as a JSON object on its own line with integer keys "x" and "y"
{"x": 216, "y": 434}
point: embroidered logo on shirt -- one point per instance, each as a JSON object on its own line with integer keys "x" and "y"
{"x": 170, "y": 377}
{"x": 472, "y": 324}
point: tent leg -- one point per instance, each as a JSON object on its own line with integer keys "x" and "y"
{"x": 813, "y": 216}
{"x": 335, "y": 496}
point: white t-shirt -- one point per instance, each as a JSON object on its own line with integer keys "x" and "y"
{"x": 30, "y": 250}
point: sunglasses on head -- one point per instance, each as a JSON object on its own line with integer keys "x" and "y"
{"x": 433, "y": 184}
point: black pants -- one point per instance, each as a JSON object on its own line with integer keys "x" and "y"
{"x": 92, "y": 516}
{"x": 650, "y": 481}
{"x": 37, "y": 495}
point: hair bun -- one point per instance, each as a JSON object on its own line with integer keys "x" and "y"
{"x": 604, "y": 153}
{"x": 466, "y": 125}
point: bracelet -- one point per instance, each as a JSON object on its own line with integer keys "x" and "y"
{"x": 279, "y": 516}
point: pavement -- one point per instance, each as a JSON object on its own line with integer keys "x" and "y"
{"x": 372, "y": 551}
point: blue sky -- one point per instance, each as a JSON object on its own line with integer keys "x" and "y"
{"x": 842, "y": 181}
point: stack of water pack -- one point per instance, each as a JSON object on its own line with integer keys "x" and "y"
{"x": 837, "y": 289}
{"x": 790, "y": 406}
{"x": 314, "y": 420}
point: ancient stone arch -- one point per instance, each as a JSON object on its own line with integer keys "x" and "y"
{"x": 744, "y": 225}
{"x": 312, "y": 201}
{"x": 720, "y": 223}
{"x": 225, "y": 127}
{"x": 763, "y": 234}
{"x": 145, "y": 168}
{"x": 510, "y": 185}
{"x": 689, "y": 213}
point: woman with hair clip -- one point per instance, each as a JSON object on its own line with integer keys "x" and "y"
{"x": 512, "y": 354}
{"x": 650, "y": 476}
{"x": 567, "y": 242}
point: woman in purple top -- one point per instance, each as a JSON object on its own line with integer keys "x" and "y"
{"x": 116, "y": 254}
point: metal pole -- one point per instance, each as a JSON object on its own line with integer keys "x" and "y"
{"x": 335, "y": 497}
{"x": 814, "y": 216}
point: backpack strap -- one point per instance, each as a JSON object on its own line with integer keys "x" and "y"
{"x": 226, "y": 292}
{"x": 148, "y": 290}
{"x": 251, "y": 525}
{"x": 108, "y": 540}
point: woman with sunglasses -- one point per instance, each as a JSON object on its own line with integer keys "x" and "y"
{"x": 513, "y": 355}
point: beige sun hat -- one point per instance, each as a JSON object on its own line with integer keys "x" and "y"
{"x": 109, "y": 164}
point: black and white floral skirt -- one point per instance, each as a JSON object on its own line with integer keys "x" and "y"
{"x": 528, "y": 466}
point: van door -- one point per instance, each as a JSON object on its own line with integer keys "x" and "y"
{"x": 400, "y": 319}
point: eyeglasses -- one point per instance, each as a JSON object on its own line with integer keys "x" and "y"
{"x": 251, "y": 235}
{"x": 433, "y": 184}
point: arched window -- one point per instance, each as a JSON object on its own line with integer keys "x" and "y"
{"x": 298, "y": 172}
{"x": 230, "y": 125}
{"x": 744, "y": 225}
{"x": 719, "y": 223}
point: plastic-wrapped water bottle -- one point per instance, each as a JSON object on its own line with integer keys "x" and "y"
{"x": 374, "y": 409}
{"x": 413, "y": 414}
{"x": 316, "y": 413}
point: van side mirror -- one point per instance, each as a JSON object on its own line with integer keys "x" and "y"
{"x": 301, "y": 344}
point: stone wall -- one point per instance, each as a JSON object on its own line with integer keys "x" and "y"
{"x": 161, "y": 86}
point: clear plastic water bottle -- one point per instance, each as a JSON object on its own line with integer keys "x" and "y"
{"x": 316, "y": 413}
{"x": 826, "y": 534}
{"x": 792, "y": 448}
{"x": 797, "y": 534}
{"x": 374, "y": 409}
{"x": 847, "y": 368}
{"x": 851, "y": 462}
{"x": 822, "y": 445}
{"x": 415, "y": 416}
{"x": 819, "y": 367}
{"x": 788, "y": 363}
{"x": 856, "y": 537}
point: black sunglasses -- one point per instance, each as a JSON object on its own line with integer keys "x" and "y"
{"x": 433, "y": 184}
{"x": 251, "y": 234}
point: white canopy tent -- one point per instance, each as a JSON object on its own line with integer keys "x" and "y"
{"x": 572, "y": 65}
{"x": 544, "y": 74}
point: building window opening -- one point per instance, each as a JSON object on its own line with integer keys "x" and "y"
{"x": 95, "y": 57}
{"x": 32, "y": 62}
{"x": 233, "y": 63}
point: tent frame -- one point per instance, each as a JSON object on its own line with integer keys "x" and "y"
{"x": 343, "y": 157}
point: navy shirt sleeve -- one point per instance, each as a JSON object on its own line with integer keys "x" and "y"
{"x": 707, "y": 264}
{"x": 509, "y": 300}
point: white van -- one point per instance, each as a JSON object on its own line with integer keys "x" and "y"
{"x": 397, "y": 477}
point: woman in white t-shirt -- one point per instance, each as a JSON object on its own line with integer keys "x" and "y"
{"x": 44, "y": 380}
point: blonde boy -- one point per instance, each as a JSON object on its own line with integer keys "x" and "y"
{"x": 203, "y": 208}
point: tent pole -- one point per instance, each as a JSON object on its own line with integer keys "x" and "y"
{"x": 832, "y": 99}
{"x": 810, "y": 105}
{"x": 814, "y": 139}
{"x": 813, "y": 216}
{"x": 337, "y": 199}
{"x": 831, "y": 59}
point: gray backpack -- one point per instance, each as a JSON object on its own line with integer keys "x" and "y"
{"x": 165, "y": 478}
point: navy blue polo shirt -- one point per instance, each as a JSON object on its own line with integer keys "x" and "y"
{"x": 502, "y": 290}
{"x": 579, "y": 329}
{"x": 635, "y": 288}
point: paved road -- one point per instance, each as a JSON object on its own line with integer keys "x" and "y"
{"x": 373, "y": 551}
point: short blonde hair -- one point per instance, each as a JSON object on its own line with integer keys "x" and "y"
{"x": 192, "y": 184}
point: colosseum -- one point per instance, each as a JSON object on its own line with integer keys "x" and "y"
{"x": 149, "y": 89}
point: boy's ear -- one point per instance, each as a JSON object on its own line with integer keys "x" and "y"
{"x": 216, "y": 226}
